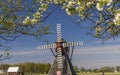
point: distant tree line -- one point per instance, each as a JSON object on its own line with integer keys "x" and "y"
{"x": 102, "y": 69}
{"x": 29, "y": 67}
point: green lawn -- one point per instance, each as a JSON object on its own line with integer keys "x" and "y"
{"x": 39, "y": 74}
{"x": 98, "y": 74}
{"x": 89, "y": 74}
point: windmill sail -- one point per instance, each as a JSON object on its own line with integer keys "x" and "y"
{"x": 62, "y": 64}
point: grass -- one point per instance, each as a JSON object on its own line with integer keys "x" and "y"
{"x": 98, "y": 74}
{"x": 39, "y": 74}
{"x": 90, "y": 74}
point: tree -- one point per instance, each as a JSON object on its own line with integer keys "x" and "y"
{"x": 118, "y": 68}
{"x": 76, "y": 69}
{"x": 4, "y": 66}
{"x": 103, "y": 15}
{"x": 46, "y": 67}
{"x": 82, "y": 69}
{"x": 4, "y": 55}
{"x": 12, "y": 13}
{"x": 29, "y": 67}
{"x": 106, "y": 69}
{"x": 22, "y": 17}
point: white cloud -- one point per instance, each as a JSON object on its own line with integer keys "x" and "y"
{"x": 114, "y": 49}
{"x": 24, "y": 53}
{"x": 98, "y": 50}
{"x": 30, "y": 52}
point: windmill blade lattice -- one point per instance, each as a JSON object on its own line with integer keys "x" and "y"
{"x": 62, "y": 64}
{"x": 68, "y": 44}
{"x": 59, "y": 50}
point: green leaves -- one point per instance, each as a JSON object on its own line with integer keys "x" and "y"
{"x": 12, "y": 14}
{"x": 98, "y": 31}
{"x": 9, "y": 0}
{"x": 24, "y": 17}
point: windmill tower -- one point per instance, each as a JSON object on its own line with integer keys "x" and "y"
{"x": 62, "y": 63}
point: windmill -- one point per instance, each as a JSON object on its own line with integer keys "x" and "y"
{"x": 62, "y": 63}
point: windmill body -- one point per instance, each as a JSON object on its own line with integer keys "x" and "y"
{"x": 62, "y": 63}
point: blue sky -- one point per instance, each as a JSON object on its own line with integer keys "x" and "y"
{"x": 92, "y": 54}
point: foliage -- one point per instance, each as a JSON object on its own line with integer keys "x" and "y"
{"x": 102, "y": 69}
{"x": 118, "y": 68}
{"x": 43, "y": 68}
{"x": 107, "y": 69}
{"x": 29, "y": 67}
{"x": 98, "y": 73}
{"x": 103, "y": 15}
{"x": 88, "y": 74}
{"x": 82, "y": 69}
{"x": 12, "y": 13}
{"x": 5, "y": 54}
{"x": 76, "y": 69}
{"x": 4, "y": 66}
